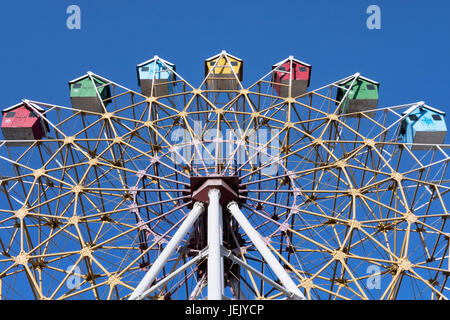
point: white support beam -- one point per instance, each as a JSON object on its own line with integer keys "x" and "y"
{"x": 201, "y": 284}
{"x": 215, "y": 239}
{"x": 228, "y": 254}
{"x": 265, "y": 252}
{"x": 173, "y": 274}
{"x": 150, "y": 276}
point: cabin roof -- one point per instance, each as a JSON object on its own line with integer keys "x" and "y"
{"x": 86, "y": 76}
{"x": 359, "y": 77}
{"x": 412, "y": 108}
{"x": 223, "y": 53}
{"x": 154, "y": 59}
{"x": 290, "y": 58}
{"x": 22, "y": 104}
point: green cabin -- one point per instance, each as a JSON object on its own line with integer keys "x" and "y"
{"x": 86, "y": 92}
{"x": 362, "y": 96}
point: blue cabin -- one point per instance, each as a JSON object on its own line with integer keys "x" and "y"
{"x": 424, "y": 125}
{"x": 156, "y": 73}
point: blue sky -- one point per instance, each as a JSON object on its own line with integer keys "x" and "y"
{"x": 409, "y": 55}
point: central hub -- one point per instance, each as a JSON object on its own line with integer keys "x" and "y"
{"x": 227, "y": 185}
{"x": 200, "y": 187}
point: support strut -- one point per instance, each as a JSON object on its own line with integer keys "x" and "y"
{"x": 265, "y": 252}
{"x": 215, "y": 239}
{"x": 157, "y": 266}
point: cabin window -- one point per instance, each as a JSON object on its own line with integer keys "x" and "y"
{"x": 282, "y": 68}
{"x": 413, "y": 117}
{"x": 32, "y": 115}
{"x": 212, "y": 63}
{"x": 370, "y": 87}
{"x": 403, "y": 128}
{"x": 436, "y": 117}
{"x": 10, "y": 115}
{"x": 234, "y": 63}
{"x": 145, "y": 69}
{"x": 302, "y": 69}
{"x": 77, "y": 85}
{"x": 98, "y": 84}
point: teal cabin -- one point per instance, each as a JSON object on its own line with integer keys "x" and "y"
{"x": 157, "y": 75}
{"x": 424, "y": 126}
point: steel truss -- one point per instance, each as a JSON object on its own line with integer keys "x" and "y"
{"x": 329, "y": 205}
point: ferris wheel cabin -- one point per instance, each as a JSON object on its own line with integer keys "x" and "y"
{"x": 89, "y": 93}
{"x": 157, "y": 74}
{"x": 291, "y": 72}
{"x": 358, "y": 94}
{"x": 423, "y": 125}
{"x": 21, "y": 122}
{"x": 221, "y": 71}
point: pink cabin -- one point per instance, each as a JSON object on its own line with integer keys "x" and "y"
{"x": 20, "y": 122}
{"x": 291, "y": 69}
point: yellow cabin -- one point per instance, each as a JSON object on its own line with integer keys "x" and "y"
{"x": 221, "y": 69}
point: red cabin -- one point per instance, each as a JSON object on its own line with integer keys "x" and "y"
{"x": 291, "y": 69}
{"x": 20, "y": 122}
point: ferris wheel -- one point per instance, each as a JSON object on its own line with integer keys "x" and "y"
{"x": 272, "y": 191}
